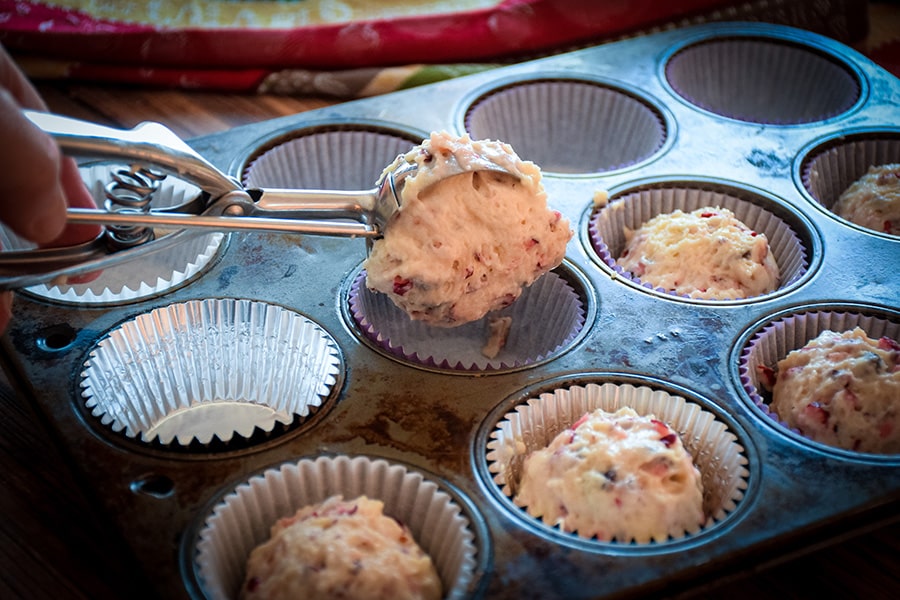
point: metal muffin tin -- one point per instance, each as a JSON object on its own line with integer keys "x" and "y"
{"x": 437, "y": 420}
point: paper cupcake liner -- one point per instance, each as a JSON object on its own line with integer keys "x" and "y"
{"x": 763, "y": 80}
{"x": 629, "y": 210}
{"x": 546, "y": 318}
{"x": 242, "y": 520}
{"x": 207, "y": 369}
{"x": 570, "y": 126}
{"x": 532, "y": 425}
{"x": 143, "y": 277}
{"x": 338, "y": 159}
{"x": 777, "y": 339}
{"x": 827, "y": 171}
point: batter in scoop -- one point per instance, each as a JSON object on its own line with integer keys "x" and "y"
{"x": 464, "y": 246}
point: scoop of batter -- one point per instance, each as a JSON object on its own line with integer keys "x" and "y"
{"x": 842, "y": 389}
{"x": 615, "y": 476}
{"x": 873, "y": 201}
{"x": 340, "y": 549}
{"x": 464, "y": 246}
{"x": 707, "y": 253}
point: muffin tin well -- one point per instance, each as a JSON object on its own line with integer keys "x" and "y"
{"x": 547, "y": 319}
{"x": 441, "y": 522}
{"x": 764, "y": 80}
{"x": 630, "y": 124}
{"x": 210, "y": 370}
{"x": 574, "y": 125}
{"x": 831, "y": 165}
{"x": 790, "y": 236}
{"x": 768, "y": 342}
{"x": 514, "y": 429}
{"x": 148, "y": 276}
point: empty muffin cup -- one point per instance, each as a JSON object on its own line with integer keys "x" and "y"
{"x": 789, "y": 238}
{"x": 773, "y": 341}
{"x": 207, "y": 369}
{"x": 532, "y": 424}
{"x": 339, "y": 157}
{"x": 145, "y": 276}
{"x": 243, "y": 518}
{"x": 544, "y": 320}
{"x": 573, "y": 126}
{"x": 763, "y": 80}
{"x": 831, "y": 168}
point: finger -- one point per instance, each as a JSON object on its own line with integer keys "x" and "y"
{"x": 78, "y": 196}
{"x": 12, "y": 79}
{"x": 6, "y": 300}
{"x": 33, "y": 202}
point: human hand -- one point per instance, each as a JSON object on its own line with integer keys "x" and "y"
{"x": 38, "y": 182}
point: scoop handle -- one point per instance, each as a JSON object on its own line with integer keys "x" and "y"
{"x": 148, "y": 144}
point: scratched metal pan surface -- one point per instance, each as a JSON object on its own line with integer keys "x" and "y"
{"x": 770, "y": 121}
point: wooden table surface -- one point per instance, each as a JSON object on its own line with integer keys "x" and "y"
{"x": 54, "y": 546}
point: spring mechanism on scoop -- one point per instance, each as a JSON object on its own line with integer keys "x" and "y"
{"x": 131, "y": 190}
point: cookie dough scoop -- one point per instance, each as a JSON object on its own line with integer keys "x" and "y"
{"x": 134, "y": 226}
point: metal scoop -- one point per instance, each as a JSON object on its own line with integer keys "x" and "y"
{"x": 224, "y": 204}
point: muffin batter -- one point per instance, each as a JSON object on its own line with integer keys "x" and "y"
{"x": 873, "y": 201}
{"x": 842, "y": 389}
{"x": 615, "y": 476}
{"x": 340, "y": 549}
{"x": 464, "y": 246}
{"x": 707, "y": 253}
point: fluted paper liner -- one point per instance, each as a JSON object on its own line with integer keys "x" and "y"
{"x": 532, "y": 425}
{"x": 763, "y": 80}
{"x": 242, "y": 520}
{"x": 829, "y": 170}
{"x": 342, "y": 159}
{"x": 143, "y": 277}
{"x": 545, "y": 319}
{"x": 570, "y": 126}
{"x": 209, "y": 368}
{"x": 631, "y": 210}
{"x": 791, "y": 332}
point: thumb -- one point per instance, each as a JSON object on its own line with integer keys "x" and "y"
{"x": 33, "y": 202}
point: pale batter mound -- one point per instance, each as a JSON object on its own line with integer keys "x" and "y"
{"x": 842, "y": 389}
{"x": 462, "y": 247}
{"x": 707, "y": 253}
{"x": 873, "y": 201}
{"x": 617, "y": 476}
{"x": 340, "y": 549}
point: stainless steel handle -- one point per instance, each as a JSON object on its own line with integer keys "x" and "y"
{"x": 149, "y": 144}
{"x": 20, "y": 269}
{"x": 222, "y": 223}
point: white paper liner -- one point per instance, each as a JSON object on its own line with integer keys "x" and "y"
{"x": 791, "y": 332}
{"x": 546, "y": 318}
{"x": 569, "y": 126}
{"x": 242, "y": 520}
{"x": 763, "y": 81}
{"x": 142, "y": 277}
{"x": 209, "y": 368}
{"x": 532, "y": 425}
{"x": 334, "y": 160}
{"x": 631, "y": 210}
{"x": 828, "y": 171}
